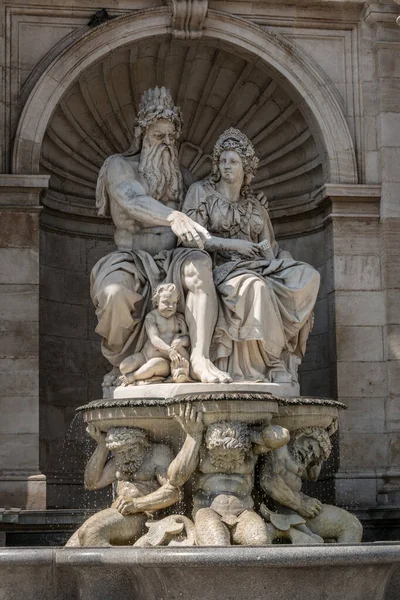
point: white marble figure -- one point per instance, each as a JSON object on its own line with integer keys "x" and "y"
{"x": 281, "y": 475}
{"x": 164, "y": 353}
{"x": 266, "y": 298}
{"x": 143, "y": 189}
{"x": 148, "y": 479}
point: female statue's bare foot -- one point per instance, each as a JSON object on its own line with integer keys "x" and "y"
{"x": 204, "y": 371}
{"x": 109, "y": 379}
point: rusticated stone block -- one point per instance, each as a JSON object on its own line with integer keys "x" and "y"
{"x": 19, "y": 302}
{"x": 357, "y": 272}
{"x": 393, "y": 371}
{"x": 363, "y": 415}
{"x": 23, "y": 491}
{"x": 358, "y": 308}
{"x": 19, "y": 451}
{"x": 358, "y": 237}
{"x": 392, "y": 342}
{"x": 363, "y": 451}
{"x": 361, "y": 379}
{"x": 392, "y": 414}
{"x": 394, "y": 450}
{"x": 19, "y": 266}
{"x": 19, "y": 415}
{"x": 64, "y": 320}
{"x": 359, "y": 343}
{"x": 64, "y": 251}
{"x": 19, "y": 339}
{"x": 19, "y": 229}
{"x": 19, "y": 377}
{"x": 355, "y": 492}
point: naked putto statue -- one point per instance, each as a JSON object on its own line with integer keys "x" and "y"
{"x": 165, "y": 352}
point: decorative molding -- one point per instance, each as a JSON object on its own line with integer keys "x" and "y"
{"x": 22, "y": 192}
{"x": 273, "y": 52}
{"x": 188, "y": 18}
{"x": 356, "y": 202}
{"x": 380, "y": 14}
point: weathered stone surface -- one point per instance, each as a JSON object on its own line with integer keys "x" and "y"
{"x": 19, "y": 266}
{"x": 19, "y": 230}
{"x": 19, "y": 301}
{"x": 364, "y": 415}
{"x": 355, "y": 308}
{"x": 364, "y": 451}
{"x": 359, "y": 344}
{"x": 357, "y": 272}
{"x": 361, "y": 379}
{"x": 27, "y": 411}
{"x": 306, "y": 572}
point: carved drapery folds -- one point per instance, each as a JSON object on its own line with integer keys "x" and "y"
{"x": 188, "y": 18}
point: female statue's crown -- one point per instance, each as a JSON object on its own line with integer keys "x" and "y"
{"x": 233, "y": 139}
{"x": 156, "y": 103}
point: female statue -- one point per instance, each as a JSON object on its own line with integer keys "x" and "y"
{"x": 266, "y": 298}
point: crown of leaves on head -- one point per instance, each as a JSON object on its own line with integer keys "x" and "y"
{"x": 233, "y": 139}
{"x": 156, "y": 103}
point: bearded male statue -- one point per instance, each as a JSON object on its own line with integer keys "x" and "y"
{"x": 143, "y": 190}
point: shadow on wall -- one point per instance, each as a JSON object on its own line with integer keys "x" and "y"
{"x": 71, "y": 363}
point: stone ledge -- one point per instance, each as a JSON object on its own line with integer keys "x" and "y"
{"x": 302, "y": 572}
{"x": 21, "y": 192}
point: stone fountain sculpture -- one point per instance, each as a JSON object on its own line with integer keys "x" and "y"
{"x": 203, "y": 399}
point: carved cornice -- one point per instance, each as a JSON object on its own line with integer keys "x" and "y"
{"x": 188, "y": 18}
{"x": 360, "y": 202}
{"x": 22, "y": 192}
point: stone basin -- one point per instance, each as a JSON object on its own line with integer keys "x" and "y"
{"x": 156, "y": 414}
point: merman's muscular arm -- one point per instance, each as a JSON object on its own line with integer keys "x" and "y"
{"x": 278, "y": 470}
{"x": 99, "y": 472}
{"x": 170, "y": 477}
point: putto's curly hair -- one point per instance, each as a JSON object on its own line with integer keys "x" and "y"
{"x": 235, "y": 140}
{"x": 317, "y": 433}
{"x": 164, "y": 287}
{"x": 118, "y": 437}
{"x": 229, "y": 435}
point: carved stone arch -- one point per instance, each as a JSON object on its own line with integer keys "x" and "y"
{"x": 290, "y": 65}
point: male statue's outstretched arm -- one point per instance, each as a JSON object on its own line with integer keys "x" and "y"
{"x": 186, "y": 461}
{"x": 131, "y": 196}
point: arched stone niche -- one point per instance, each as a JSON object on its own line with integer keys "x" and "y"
{"x": 82, "y": 109}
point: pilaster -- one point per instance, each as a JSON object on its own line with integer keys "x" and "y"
{"x": 356, "y": 300}
{"x": 21, "y": 483}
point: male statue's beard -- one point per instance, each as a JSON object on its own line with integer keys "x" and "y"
{"x": 159, "y": 167}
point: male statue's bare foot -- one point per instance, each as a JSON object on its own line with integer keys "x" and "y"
{"x": 204, "y": 371}
{"x": 109, "y": 379}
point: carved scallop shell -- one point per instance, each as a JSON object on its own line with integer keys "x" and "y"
{"x": 215, "y": 89}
